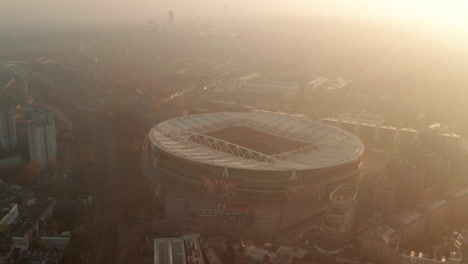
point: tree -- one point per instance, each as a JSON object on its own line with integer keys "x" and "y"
{"x": 5, "y": 229}
{"x": 54, "y": 164}
{"x": 29, "y": 173}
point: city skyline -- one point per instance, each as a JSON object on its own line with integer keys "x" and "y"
{"x": 432, "y": 14}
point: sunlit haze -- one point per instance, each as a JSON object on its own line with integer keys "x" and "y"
{"x": 446, "y": 14}
{"x": 234, "y": 131}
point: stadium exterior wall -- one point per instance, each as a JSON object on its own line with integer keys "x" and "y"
{"x": 255, "y": 184}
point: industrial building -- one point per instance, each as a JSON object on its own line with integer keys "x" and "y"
{"x": 8, "y": 139}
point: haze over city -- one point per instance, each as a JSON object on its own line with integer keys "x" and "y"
{"x": 233, "y": 132}
{"x": 445, "y": 14}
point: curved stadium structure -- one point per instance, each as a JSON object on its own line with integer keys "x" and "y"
{"x": 255, "y": 155}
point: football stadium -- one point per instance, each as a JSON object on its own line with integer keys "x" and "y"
{"x": 255, "y": 155}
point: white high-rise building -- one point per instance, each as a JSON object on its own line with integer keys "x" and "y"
{"x": 7, "y": 128}
{"x": 42, "y": 142}
{"x": 42, "y": 114}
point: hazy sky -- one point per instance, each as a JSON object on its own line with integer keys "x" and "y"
{"x": 447, "y": 13}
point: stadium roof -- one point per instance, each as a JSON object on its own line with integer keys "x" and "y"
{"x": 326, "y": 145}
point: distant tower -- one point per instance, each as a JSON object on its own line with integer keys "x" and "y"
{"x": 7, "y": 128}
{"x": 171, "y": 18}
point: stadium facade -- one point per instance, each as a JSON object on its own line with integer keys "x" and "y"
{"x": 255, "y": 155}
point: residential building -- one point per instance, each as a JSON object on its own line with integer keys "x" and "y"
{"x": 10, "y": 161}
{"x": 421, "y": 258}
{"x": 377, "y": 194}
{"x": 54, "y": 240}
{"x": 49, "y": 256}
{"x": 41, "y": 114}
{"x": 7, "y": 128}
{"x": 437, "y": 213}
{"x": 42, "y": 142}
{"x": 29, "y": 220}
{"x": 385, "y": 242}
{"x": 19, "y": 192}
{"x": 8, "y": 214}
{"x": 410, "y": 182}
{"x": 338, "y": 225}
{"x": 382, "y": 242}
{"x": 458, "y": 198}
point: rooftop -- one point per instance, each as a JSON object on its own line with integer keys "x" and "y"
{"x": 11, "y": 188}
{"x": 391, "y": 227}
{"x": 383, "y": 232}
{"x": 31, "y": 216}
{"x": 430, "y": 256}
{"x": 403, "y": 218}
{"x": 249, "y": 77}
{"x": 7, "y": 209}
{"x": 178, "y": 250}
{"x": 375, "y": 177}
{"x": 318, "y": 81}
{"x": 292, "y": 252}
{"x": 185, "y": 137}
{"x": 432, "y": 204}
{"x": 457, "y": 192}
{"x": 345, "y": 192}
{"x": 269, "y": 82}
{"x": 257, "y": 254}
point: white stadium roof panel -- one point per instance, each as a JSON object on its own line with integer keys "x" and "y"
{"x": 185, "y": 137}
